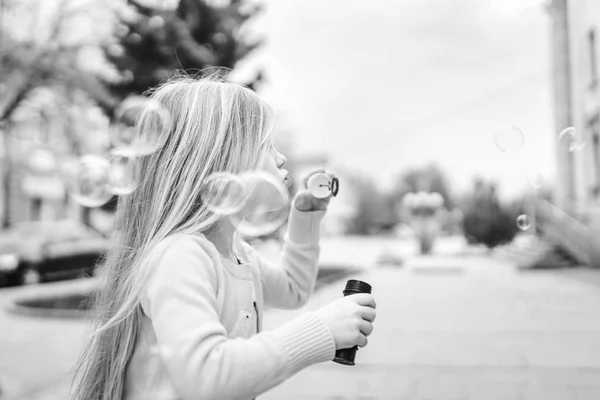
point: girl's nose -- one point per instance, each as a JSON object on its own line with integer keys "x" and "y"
{"x": 281, "y": 160}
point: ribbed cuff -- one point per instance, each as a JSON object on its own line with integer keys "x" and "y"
{"x": 306, "y": 340}
{"x": 304, "y": 226}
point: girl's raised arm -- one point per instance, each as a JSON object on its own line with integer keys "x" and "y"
{"x": 289, "y": 283}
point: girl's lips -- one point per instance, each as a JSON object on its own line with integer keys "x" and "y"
{"x": 288, "y": 181}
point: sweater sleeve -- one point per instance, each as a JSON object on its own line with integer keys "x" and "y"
{"x": 289, "y": 283}
{"x": 180, "y": 299}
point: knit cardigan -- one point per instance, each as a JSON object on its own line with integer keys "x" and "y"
{"x": 200, "y": 336}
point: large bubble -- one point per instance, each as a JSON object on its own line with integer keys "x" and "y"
{"x": 123, "y": 179}
{"x": 509, "y": 139}
{"x": 87, "y": 180}
{"x": 224, "y": 193}
{"x": 141, "y": 126}
{"x": 523, "y": 222}
{"x": 266, "y": 206}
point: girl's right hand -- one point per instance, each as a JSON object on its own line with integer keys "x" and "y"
{"x": 350, "y": 319}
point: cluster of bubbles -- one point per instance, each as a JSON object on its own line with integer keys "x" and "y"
{"x": 256, "y": 202}
{"x": 510, "y": 140}
{"x": 140, "y": 128}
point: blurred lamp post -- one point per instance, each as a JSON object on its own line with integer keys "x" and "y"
{"x": 423, "y": 208}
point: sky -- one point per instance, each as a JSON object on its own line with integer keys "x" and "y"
{"x": 385, "y": 85}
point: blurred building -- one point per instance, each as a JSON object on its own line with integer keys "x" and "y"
{"x": 573, "y": 219}
{"x": 37, "y": 141}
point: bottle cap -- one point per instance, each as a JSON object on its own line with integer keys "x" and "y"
{"x": 354, "y": 286}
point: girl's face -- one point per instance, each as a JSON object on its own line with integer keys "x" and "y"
{"x": 274, "y": 166}
{"x": 266, "y": 196}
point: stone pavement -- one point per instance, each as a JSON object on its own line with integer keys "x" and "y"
{"x": 465, "y": 328}
{"x": 36, "y": 353}
{"x": 448, "y": 327}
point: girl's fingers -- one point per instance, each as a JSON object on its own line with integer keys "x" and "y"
{"x": 368, "y": 314}
{"x": 305, "y": 201}
{"x": 366, "y": 328}
{"x": 321, "y": 204}
{"x": 364, "y": 299}
{"x": 362, "y": 341}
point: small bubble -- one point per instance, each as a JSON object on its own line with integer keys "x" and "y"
{"x": 87, "y": 180}
{"x": 509, "y": 139}
{"x": 122, "y": 176}
{"x": 319, "y": 185}
{"x": 141, "y": 126}
{"x": 570, "y": 136}
{"x": 523, "y": 222}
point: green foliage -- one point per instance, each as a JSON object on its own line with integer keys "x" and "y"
{"x": 486, "y": 221}
{"x": 197, "y": 35}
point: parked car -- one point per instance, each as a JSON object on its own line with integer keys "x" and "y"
{"x": 35, "y": 252}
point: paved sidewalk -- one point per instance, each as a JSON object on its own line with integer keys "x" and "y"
{"x": 465, "y": 328}
{"x": 448, "y": 327}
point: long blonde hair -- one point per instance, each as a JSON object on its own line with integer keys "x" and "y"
{"x": 216, "y": 126}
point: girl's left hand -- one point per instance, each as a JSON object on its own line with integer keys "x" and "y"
{"x": 305, "y": 201}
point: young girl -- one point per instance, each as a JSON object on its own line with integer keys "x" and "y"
{"x": 181, "y": 305}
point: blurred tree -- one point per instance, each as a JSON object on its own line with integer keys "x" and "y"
{"x": 152, "y": 40}
{"x": 44, "y": 57}
{"x": 486, "y": 221}
{"x": 30, "y": 62}
{"x": 374, "y": 211}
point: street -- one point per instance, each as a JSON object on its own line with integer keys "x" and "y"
{"x": 450, "y": 326}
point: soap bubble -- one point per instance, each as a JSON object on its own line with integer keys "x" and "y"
{"x": 319, "y": 185}
{"x": 509, "y": 139}
{"x": 266, "y": 207}
{"x": 223, "y": 193}
{"x": 570, "y": 136}
{"x": 141, "y": 127}
{"x": 122, "y": 177}
{"x": 87, "y": 180}
{"x": 523, "y": 222}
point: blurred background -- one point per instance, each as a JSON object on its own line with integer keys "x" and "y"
{"x": 465, "y": 135}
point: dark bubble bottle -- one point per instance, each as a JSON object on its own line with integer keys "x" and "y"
{"x": 346, "y": 356}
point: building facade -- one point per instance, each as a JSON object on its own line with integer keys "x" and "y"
{"x": 573, "y": 218}
{"x": 576, "y": 62}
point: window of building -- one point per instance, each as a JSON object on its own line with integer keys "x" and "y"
{"x": 594, "y": 126}
{"x": 592, "y": 55}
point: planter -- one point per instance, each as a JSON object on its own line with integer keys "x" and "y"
{"x": 71, "y": 301}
